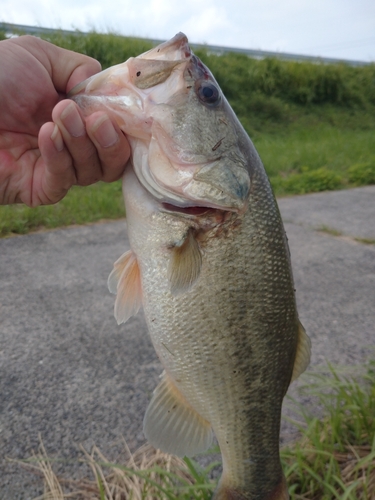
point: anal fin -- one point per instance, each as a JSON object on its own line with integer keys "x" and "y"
{"x": 173, "y": 425}
{"x": 125, "y": 282}
{"x": 303, "y": 352}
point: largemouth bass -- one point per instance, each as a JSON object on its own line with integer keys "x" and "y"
{"x": 209, "y": 263}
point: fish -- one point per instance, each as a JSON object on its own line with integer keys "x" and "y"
{"x": 209, "y": 263}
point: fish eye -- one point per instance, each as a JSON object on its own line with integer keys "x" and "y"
{"x": 208, "y": 93}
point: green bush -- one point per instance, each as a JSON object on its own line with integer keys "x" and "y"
{"x": 109, "y": 49}
{"x": 362, "y": 174}
{"x": 311, "y": 181}
{"x": 301, "y": 83}
{"x": 244, "y": 79}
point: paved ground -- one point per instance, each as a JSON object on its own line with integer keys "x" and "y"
{"x": 69, "y": 373}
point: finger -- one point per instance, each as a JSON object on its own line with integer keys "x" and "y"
{"x": 71, "y": 68}
{"x": 111, "y": 144}
{"x": 86, "y": 162}
{"x": 66, "y": 68}
{"x": 55, "y": 174}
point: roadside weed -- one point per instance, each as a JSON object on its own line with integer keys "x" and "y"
{"x": 334, "y": 458}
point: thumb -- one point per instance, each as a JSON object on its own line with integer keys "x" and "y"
{"x": 70, "y": 68}
{"x": 65, "y": 67}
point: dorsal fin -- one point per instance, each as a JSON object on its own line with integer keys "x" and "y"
{"x": 173, "y": 425}
{"x": 185, "y": 265}
{"x": 303, "y": 352}
{"x": 125, "y": 282}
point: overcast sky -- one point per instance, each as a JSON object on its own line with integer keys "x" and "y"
{"x": 329, "y": 28}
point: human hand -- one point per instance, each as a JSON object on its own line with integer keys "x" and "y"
{"x": 41, "y": 159}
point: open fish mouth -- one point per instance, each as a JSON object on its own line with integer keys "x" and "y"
{"x": 193, "y": 210}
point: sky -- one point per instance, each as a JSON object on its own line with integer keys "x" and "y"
{"x": 343, "y": 29}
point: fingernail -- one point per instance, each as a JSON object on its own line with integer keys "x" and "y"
{"x": 72, "y": 121}
{"x": 57, "y": 139}
{"x": 105, "y": 132}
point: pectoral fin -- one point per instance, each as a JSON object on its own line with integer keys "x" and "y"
{"x": 185, "y": 265}
{"x": 172, "y": 424}
{"x": 125, "y": 282}
{"x": 303, "y": 353}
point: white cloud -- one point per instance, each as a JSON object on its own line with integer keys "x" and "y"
{"x": 318, "y": 27}
{"x": 207, "y": 24}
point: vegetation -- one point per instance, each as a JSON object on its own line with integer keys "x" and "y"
{"x": 333, "y": 460}
{"x": 80, "y": 206}
{"x": 313, "y": 125}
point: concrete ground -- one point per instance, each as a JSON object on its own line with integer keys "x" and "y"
{"x": 69, "y": 374}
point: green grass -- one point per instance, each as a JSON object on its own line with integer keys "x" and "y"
{"x": 313, "y": 146}
{"x": 335, "y": 232}
{"x": 80, "y": 206}
{"x": 329, "y": 230}
{"x": 366, "y": 241}
{"x": 312, "y": 124}
{"x": 335, "y": 459}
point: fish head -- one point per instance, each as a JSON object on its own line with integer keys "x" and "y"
{"x": 188, "y": 147}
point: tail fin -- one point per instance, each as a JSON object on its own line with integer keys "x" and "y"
{"x": 226, "y": 492}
